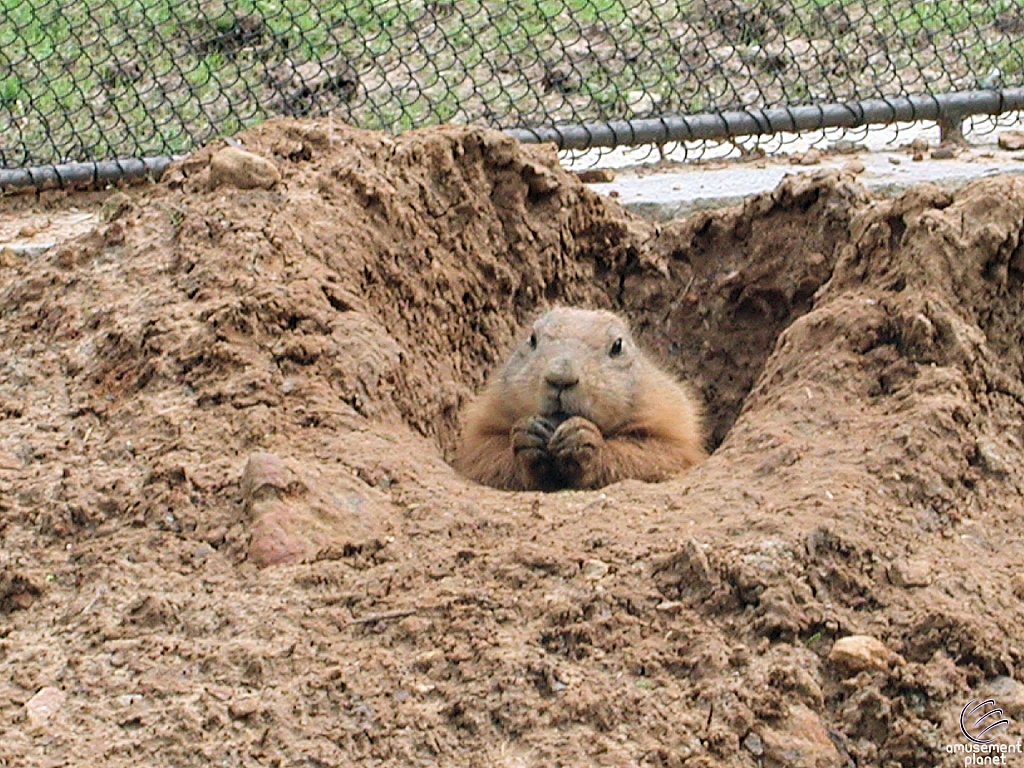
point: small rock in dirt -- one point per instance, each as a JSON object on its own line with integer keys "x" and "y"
{"x": 991, "y": 456}
{"x": 753, "y": 744}
{"x": 845, "y": 147}
{"x": 854, "y": 167}
{"x": 28, "y": 231}
{"x": 596, "y": 176}
{"x": 859, "y": 652}
{"x": 44, "y": 705}
{"x": 943, "y": 153}
{"x": 414, "y": 625}
{"x": 918, "y": 157}
{"x": 895, "y": 160}
{"x": 910, "y": 573}
{"x": 541, "y": 181}
{"x": 243, "y": 707}
{"x": 242, "y": 169}
{"x": 920, "y": 144}
{"x": 9, "y": 461}
{"x": 595, "y": 569}
{"x": 216, "y": 536}
{"x": 1011, "y": 140}
{"x": 811, "y": 157}
{"x": 22, "y": 600}
{"x": 266, "y": 476}
{"x": 799, "y": 741}
{"x": 686, "y": 574}
{"x": 295, "y": 517}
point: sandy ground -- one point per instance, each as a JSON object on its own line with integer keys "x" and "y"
{"x": 230, "y": 534}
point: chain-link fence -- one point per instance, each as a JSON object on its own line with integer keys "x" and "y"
{"x": 90, "y": 80}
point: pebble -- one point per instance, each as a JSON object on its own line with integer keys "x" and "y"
{"x": 1011, "y": 140}
{"x": 992, "y": 457}
{"x": 943, "y": 153}
{"x": 801, "y": 740}
{"x": 753, "y": 744}
{"x": 810, "y": 157}
{"x": 595, "y": 569}
{"x": 244, "y": 170}
{"x": 9, "y": 461}
{"x": 859, "y": 652}
{"x": 596, "y": 176}
{"x": 910, "y": 573}
{"x": 243, "y": 707}
{"x": 44, "y": 705}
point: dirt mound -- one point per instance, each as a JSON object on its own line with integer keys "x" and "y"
{"x": 217, "y": 377}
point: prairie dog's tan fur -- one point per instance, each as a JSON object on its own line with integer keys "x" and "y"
{"x": 578, "y": 405}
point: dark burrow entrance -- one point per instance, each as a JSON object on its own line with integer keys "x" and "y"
{"x": 707, "y": 296}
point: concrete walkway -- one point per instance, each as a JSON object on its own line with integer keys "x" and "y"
{"x": 881, "y": 156}
{"x": 665, "y": 191}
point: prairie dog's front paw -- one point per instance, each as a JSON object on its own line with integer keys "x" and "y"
{"x": 574, "y": 447}
{"x": 530, "y": 438}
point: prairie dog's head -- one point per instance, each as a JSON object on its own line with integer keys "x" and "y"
{"x": 574, "y": 362}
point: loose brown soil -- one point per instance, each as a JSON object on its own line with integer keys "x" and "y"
{"x": 214, "y": 379}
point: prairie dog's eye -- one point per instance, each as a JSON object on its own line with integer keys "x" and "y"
{"x": 616, "y": 349}
{"x": 533, "y": 341}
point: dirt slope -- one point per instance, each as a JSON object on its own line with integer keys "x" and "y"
{"x": 218, "y": 378}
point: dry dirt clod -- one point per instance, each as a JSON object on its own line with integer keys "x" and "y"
{"x": 845, "y": 147}
{"x": 596, "y": 175}
{"x": 9, "y": 461}
{"x": 798, "y": 741}
{"x": 856, "y": 653}
{"x": 44, "y": 705}
{"x": 910, "y": 573}
{"x": 1011, "y": 140}
{"x": 811, "y": 157}
{"x": 298, "y": 512}
{"x": 243, "y": 707}
{"x": 244, "y": 170}
{"x": 595, "y": 569}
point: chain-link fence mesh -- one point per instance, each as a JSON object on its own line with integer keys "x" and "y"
{"x": 88, "y": 80}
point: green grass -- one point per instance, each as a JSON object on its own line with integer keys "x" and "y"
{"x": 91, "y": 79}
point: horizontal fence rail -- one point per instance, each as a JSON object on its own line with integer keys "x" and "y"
{"x": 947, "y": 109}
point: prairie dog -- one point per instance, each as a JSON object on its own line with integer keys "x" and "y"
{"x": 578, "y": 405}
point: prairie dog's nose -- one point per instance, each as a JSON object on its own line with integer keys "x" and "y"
{"x": 561, "y": 373}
